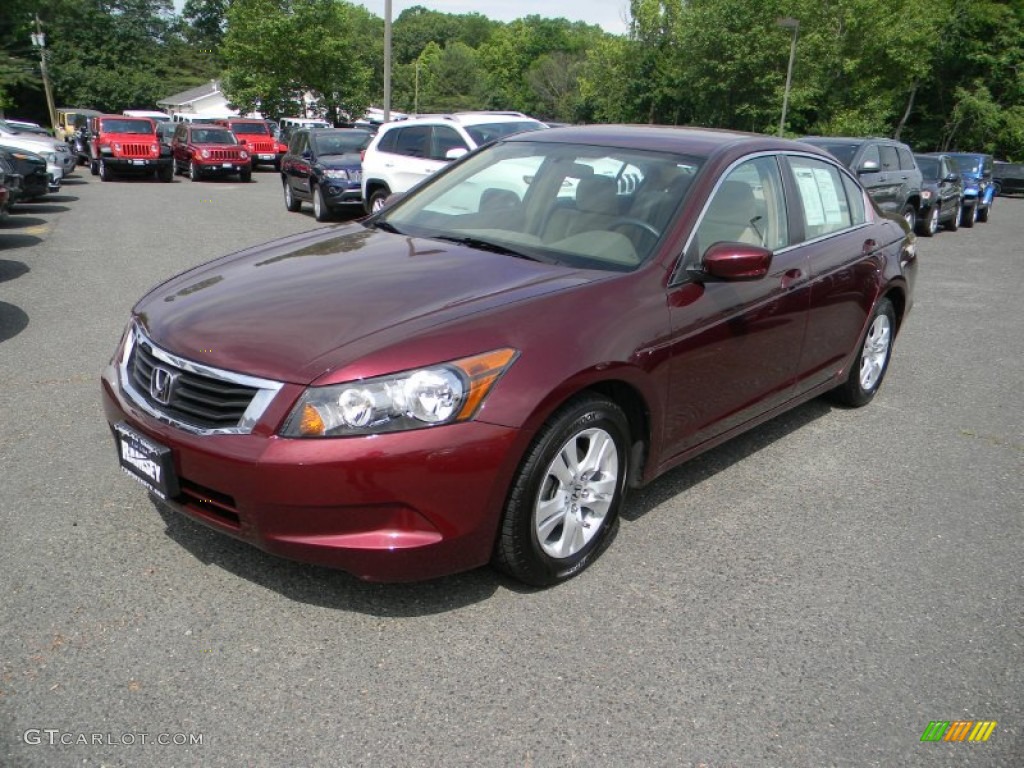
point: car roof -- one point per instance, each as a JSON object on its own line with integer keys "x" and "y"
{"x": 462, "y": 118}
{"x": 692, "y": 141}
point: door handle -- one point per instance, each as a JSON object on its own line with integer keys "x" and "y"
{"x": 869, "y": 247}
{"x": 790, "y": 277}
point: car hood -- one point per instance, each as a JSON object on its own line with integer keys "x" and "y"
{"x": 287, "y": 310}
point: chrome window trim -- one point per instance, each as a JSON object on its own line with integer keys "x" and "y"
{"x": 267, "y": 389}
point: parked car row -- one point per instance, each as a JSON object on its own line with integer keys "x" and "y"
{"x": 20, "y": 137}
{"x": 929, "y": 190}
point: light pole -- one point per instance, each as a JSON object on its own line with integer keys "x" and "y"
{"x": 794, "y": 24}
{"x": 387, "y": 60}
{"x": 39, "y": 41}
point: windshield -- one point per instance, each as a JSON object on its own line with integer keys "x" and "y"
{"x": 929, "y": 167}
{"x": 487, "y": 132}
{"x": 213, "y": 136}
{"x": 968, "y": 163}
{"x": 345, "y": 143}
{"x": 259, "y": 129}
{"x": 579, "y": 205}
{"x": 126, "y": 126}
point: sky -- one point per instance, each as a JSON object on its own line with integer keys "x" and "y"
{"x": 608, "y": 14}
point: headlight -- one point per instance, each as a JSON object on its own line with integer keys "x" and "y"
{"x": 244, "y": 155}
{"x": 155, "y": 149}
{"x": 117, "y": 147}
{"x": 205, "y": 153}
{"x": 926, "y": 194}
{"x": 336, "y": 173}
{"x": 425, "y": 397}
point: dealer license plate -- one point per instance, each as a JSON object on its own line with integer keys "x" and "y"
{"x": 266, "y": 157}
{"x": 227, "y": 165}
{"x": 150, "y": 463}
{"x": 138, "y": 162}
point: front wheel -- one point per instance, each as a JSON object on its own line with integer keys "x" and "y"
{"x": 321, "y": 212}
{"x": 193, "y": 171}
{"x": 954, "y": 221}
{"x": 983, "y": 213}
{"x": 245, "y": 176}
{"x": 105, "y": 173}
{"x": 165, "y": 174}
{"x": 930, "y": 225}
{"x": 94, "y": 168}
{"x": 562, "y": 509}
{"x": 872, "y": 361}
{"x": 910, "y": 216}
{"x": 970, "y": 215}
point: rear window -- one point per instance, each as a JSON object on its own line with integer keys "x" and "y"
{"x": 929, "y": 167}
{"x": 843, "y": 151}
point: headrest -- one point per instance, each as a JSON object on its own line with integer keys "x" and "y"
{"x": 597, "y": 194}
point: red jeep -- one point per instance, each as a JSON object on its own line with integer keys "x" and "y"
{"x": 258, "y": 139}
{"x": 120, "y": 144}
{"x": 204, "y": 149}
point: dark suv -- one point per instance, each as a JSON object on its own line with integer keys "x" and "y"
{"x": 885, "y": 167}
{"x": 323, "y": 166}
{"x": 979, "y": 188}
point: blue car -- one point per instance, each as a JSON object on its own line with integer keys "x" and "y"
{"x": 323, "y": 166}
{"x": 979, "y": 189}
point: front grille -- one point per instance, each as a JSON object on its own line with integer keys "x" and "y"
{"x": 201, "y": 401}
{"x": 225, "y": 154}
{"x": 208, "y": 502}
{"x": 136, "y": 150}
{"x": 263, "y": 147}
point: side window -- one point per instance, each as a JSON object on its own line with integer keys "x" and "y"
{"x": 387, "y": 141}
{"x": 871, "y": 155}
{"x": 890, "y": 160}
{"x": 445, "y": 138}
{"x": 413, "y": 141}
{"x": 822, "y": 196}
{"x": 855, "y": 197}
{"x": 748, "y": 207}
{"x": 906, "y": 159}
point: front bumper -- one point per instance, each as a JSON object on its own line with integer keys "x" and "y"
{"x": 341, "y": 193}
{"x": 135, "y": 163}
{"x": 395, "y": 507}
{"x": 222, "y": 166}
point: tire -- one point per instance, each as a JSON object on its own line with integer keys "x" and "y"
{"x": 930, "y": 225}
{"x": 321, "y": 211}
{"x": 376, "y": 201}
{"x": 983, "y": 213}
{"x": 872, "y": 361}
{"x": 969, "y": 216}
{"x": 954, "y": 221}
{"x": 290, "y": 201}
{"x": 193, "y": 171}
{"x": 166, "y": 174}
{"x": 910, "y": 216}
{"x": 558, "y": 516}
{"x": 94, "y": 168}
{"x": 245, "y": 176}
{"x": 105, "y": 173}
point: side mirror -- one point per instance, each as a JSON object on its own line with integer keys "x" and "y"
{"x": 952, "y": 177}
{"x": 734, "y": 262}
{"x": 307, "y": 154}
{"x": 868, "y": 166}
{"x": 455, "y": 153}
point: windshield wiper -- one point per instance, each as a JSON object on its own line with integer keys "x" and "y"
{"x": 486, "y": 245}
{"x": 387, "y": 227}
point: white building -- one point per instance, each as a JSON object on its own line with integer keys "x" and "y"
{"x": 202, "y": 101}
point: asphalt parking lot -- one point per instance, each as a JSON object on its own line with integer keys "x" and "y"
{"x": 813, "y": 593}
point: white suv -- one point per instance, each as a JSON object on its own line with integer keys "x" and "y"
{"x": 404, "y": 153}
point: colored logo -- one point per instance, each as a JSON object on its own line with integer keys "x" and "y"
{"x": 959, "y": 730}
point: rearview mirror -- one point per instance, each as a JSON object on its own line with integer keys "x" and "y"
{"x": 734, "y": 262}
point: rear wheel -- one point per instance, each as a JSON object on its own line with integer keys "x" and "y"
{"x": 290, "y": 202}
{"x": 872, "y": 361}
{"x": 376, "y": 201}
{"x": 562, "y": 509}
{"x": 954, "y": 221}
{"x": 94, "y": 168}
{"x": 165, "y": 174}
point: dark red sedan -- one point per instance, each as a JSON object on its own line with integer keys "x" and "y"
{"x": 479, "y": 372}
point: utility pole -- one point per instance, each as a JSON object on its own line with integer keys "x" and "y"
{"x": 39, "y": 41}
{"x": 793, "y": 24}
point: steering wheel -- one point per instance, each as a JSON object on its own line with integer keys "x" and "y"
{"x": 627, "y": 221}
